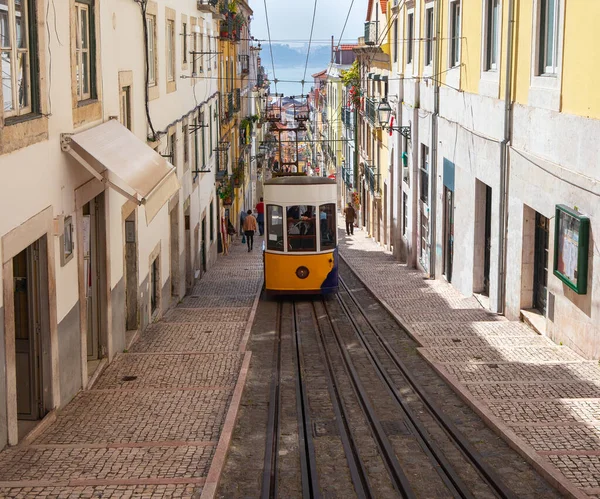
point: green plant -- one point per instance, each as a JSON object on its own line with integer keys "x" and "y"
{"x": 226, "y": 191}
{"x": 351, "y": 79}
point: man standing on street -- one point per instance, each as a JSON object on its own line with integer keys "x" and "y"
{"x": 260, "y": 217}
{"x": 350, "y": 215}
{"x": 250, "y": 229}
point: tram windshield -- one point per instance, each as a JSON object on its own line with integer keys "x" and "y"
{"x": 275, "y": 227}
{"x": 327, "y": 226}
{"x": 301, "y": 228}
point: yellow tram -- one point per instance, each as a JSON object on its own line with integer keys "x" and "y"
{"x": 300, "y": 248}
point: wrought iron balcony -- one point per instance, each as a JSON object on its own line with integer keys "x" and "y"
{"x": 372, "y": 179}
{"x": 371, "y": 112}
{"x": 244, "y": 64}
{"x": 371, "y": 32}
{"x": 347, "y": 176}
{"x": 237, "y": 100}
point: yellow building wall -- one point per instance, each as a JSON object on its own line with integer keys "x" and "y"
{"x": 581, "y": 59}
{"x": 523, "y": 55}
{"x": 471, "y": 45}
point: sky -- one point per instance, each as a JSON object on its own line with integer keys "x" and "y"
{"x": 290, "y": 20}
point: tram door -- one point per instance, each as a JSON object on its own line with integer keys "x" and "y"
{"x": 28, "y": 330}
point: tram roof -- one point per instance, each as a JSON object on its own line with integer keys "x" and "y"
{"x": 300, "y": 180}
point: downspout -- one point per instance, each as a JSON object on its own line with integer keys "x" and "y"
{"x": 504, "y": 162}
{"x": 434, "y": 142}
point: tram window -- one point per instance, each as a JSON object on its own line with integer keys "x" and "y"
{"x": 327, "y": 226}
{"x": 301, "y": 227}
{"x": 275, "y": 227}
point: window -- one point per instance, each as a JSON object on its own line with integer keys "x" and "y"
{"x": 548, "y": 42}
{"x": 492, "y": 20}
{"x": 184, "y": 44}
{"x": 126, "y": 107}
{"x": 455, "y": 33}
{"x": 196, "y": 153}
{"x": 275, "y": 228}
{"x": 202, "y": 127}
{"x": 84, "y": 55}
{"x": 428, "y": 36}
{"x": 66, "y": 242}
{"x": 18, "y": 72}
{"x": 301, "y": 228}
{"x": 424, "y": 240}
{"x": 327, "y": 226}
{"x": 151, "y": 27}
{"x": 194, "y": 52}
{"x": 154, "y": 286}
{"x": 186, "y": 146}
{"x": 410, "y": 26}
{"x": 395, "y": 48}
{"x": 173, "y": 148}
{"x": 170, "y": 50}
{"x": 210, "y": 129}
{"x": 404, "y": 213}
{"x": 424, "y": 174}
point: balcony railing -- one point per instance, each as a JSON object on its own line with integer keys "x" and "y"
{"x": 347, "y": 176}
{"x": 371, "y": 111}
{"x": 244, "y": 64}
{"x": 207, "y": 5}
{"x": 371, "y": 32}
{"x": 237, "y": 100}
{"x": 372, "y": 179}
{"x": 348, "y": 117}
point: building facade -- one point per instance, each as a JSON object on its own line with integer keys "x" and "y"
{"x": 495, "y": 110}
{"x": 115, "y": 216}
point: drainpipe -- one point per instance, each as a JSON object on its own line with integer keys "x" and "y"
{"x": 504, "y": 162}
{"x": 434, "y": 142}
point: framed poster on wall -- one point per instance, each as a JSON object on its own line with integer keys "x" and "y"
{"x": 571, "y": 240}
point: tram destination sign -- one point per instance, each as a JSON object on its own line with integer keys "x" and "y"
{"x": 571, "y": 240}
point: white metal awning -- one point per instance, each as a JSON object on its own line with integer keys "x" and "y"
{"x": 116, "y": 156}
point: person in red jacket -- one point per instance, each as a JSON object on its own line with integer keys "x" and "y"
{"x": 260, "y": 217}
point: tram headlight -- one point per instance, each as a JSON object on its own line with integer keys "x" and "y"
{"x": 302, "y": 272}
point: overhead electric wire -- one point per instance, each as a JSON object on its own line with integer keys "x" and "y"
{"x": 270, "y": 45}
{"x": 345, "y": 23}
{"x": 312, "y": 28}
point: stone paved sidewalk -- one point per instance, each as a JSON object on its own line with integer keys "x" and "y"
{"x": 542, "y": 397}
{"x": 164, "y": 433}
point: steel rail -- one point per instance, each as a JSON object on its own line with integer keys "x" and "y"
{"x": 269, "y": 481}
{"x": 308, "y": 465}
{"x": 444, "y": 469}
{"x": 399, "y": 479}
{"x": 484, "y": 470}
{"x": 357, "y": 468}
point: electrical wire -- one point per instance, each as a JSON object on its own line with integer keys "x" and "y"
{"x": 270, "y": 44}
{"x": 309, "y": 44}
{"x": 345, "y": 23}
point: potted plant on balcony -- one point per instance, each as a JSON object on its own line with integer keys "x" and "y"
{"x": 226, "y": 194}
{"x": 238, "y": 175}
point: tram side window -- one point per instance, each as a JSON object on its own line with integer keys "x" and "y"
{"x": 301, "y": 227}
{"x": 327, "y": 226}
{"x": 275, "y": 227}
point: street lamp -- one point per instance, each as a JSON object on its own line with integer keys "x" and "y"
{"x": 384, "y": 112}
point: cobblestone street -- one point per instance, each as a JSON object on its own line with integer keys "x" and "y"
{"x": 544, "y": 398}
{"x": 159, "y": 415}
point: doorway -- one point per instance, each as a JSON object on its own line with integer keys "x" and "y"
{"x": 94, "y": 279}
{"x": 188, "y": 252}
{"x": 488, "y": 241}
{"x": 203, "y": 245}
{"x": 174, "y": 223}
{"x": 540, "y": 265}
{"x": 131, "y": 273}
{"x": 448, "y": 233}
{"x": 30, "y": 297}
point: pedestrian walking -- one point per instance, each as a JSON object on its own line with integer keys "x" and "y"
{"x": 260, "y": 217}
{"x": 350, "y": 215}
{"x": 249, "y": 229}
{"x": 243, "y": 216}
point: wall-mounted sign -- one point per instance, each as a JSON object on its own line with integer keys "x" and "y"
{"x": 571, "y": 240}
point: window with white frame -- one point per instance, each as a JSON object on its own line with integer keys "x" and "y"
{"x": 152, "y": 55}
{"x": 548, "y": 37}
{"x": 170, "y": 50}
{"x": 84, "y": 56}
{"x": 194, "y": 51}
{"x": 410, "y": 35}
{"x": 395, "y": 47}
{"x": 428, "y": 36}
{"x": 454, "y": 58}
{"x": 184, "y": 43}
{"x": 424, "y": 174}
{"x": 492, "y": 34}
{"x": 15, "y": 55}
